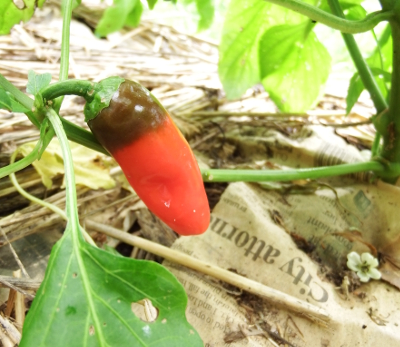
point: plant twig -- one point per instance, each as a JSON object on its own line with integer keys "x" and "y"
{"x": 11, "y": 331}
{"x": 344, "y": 25}
{"x": 15, "y": 255}
{"x": 19, "y": 304}
{"x": 19, "y": 283}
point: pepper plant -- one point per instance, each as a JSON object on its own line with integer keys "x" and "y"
{"x": 87, "y": 293}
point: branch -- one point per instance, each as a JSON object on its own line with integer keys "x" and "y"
{"x": 344, "y": 25}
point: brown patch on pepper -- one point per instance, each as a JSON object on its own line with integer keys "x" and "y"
{"x": 133, "y": 111}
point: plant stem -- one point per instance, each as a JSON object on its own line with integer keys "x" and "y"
{"x": 43, "y": 203}
{"x": 74, "y": 132}
{"x": 30, "y": 197}
{"x": 342, "y": 24}
{"x": 362, "y": 67}
{"x": 390, "y": 122}
{"x": 68, "y": 87}
{"x": 70, "y": 191}
{"x": 221, "y": 175}
{"x": 46, "y": 135}
{"x": 64, "y": 59}
{"x": 82, "y": 136}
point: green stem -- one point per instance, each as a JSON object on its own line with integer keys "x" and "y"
{"x": 389, "y": 123}
{"x": 30, "y": 197}
{"x": 73, "y": 225}
{"x": 68, "y": 87}
{"x": 46, "y": 135}
{"x": 70, "y": 191}
{"x": 344, "y": 25}
{"x": 362, "y": 67}
{"x": 82, "y": 136}
{"x": 211, "y": 175}
{"x": 43, "y": 203}
{"x": 376, "y": 145}
{"x": 64, "y": 59}
{"x": 74, "y": 132}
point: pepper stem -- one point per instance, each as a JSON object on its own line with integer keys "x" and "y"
{"x": 69, "y": 87}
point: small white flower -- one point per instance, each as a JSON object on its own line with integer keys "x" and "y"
{"x": 365, "y": 266}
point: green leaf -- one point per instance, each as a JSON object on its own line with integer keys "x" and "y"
{"x": 102, "y": 94}
{"x": 111, "y": 250}
{"x": 238, "y": 66}
{"x": 11, "y": 14}
{"x": 356, "y": 86}
{"x": 134, "y": 16}
{"x": 115, "y": 16}
{"x": 7, "y": 102}
{"x": 205, "y": 9}
{"x": 16, "y": 106}
{"x": 37, "y": 81}
{"x": 87, "y": 297}
{"x": 294, "y": 66}
{"x": 245, "y": 24}
{"x": 206, "y": 12}
{"x": 382, "y": 55}
{"x": 355, "y": 89}
{"x": 343, "y": 4}
{"x": 380, "y": 63}
{"x": 354, "y": 12}
{"x": 151, "y": 3}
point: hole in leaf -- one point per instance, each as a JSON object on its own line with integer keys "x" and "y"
{"x": 20, "y": 4}
{"x": 145, "y": 310}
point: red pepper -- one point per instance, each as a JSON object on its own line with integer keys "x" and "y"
{"x": 155, "y": 157}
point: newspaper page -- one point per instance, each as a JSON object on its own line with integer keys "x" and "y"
{"x": 253, "y": 232}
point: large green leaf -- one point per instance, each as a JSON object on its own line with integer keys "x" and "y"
{"x": 205, "y": 9}
{"x": 11, "y": 14}
{"x": 151, "y": 3}
{"x": 294, "y": 66}
{"x": 245, "y": 23}
{"x": 87, "y": 297}
{"x": 115, "y": 16}
{"x": 134, "y": 16}
{"x": 206, "y": 12}
{"x": 238, "y": 62}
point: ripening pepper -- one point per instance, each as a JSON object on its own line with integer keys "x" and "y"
{"x": 154, "y": 156}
